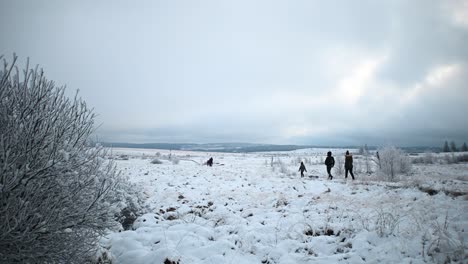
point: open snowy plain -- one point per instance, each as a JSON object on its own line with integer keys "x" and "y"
{"x": 255, "y": 208}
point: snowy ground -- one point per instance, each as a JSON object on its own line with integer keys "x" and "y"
{"x": 244, "y": 210}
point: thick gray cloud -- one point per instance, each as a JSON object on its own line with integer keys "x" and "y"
{"x": 307, "y": 72}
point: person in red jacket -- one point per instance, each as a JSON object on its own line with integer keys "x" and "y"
{"x": 348, "y": 165}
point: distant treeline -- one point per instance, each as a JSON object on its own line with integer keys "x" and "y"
{"x": 245, "y": 147}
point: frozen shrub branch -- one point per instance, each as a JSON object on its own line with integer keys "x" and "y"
{"x": 393, "y": 162}
{"x": 55, "y": 187}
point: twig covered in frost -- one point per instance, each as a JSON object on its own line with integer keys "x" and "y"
{"x": 55, "y": 186}
{"x": 393, "y": 162}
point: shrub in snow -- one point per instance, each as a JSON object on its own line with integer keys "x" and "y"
{"x": 357, "y": 165}
{"x": 428, "y": 158}
{"x": 124, "y": 157}
{"x": 393, "y": 162}
{"x": 129, "y": 204}
{"x": 156, "y": 161}
{"x": 282, "y": 201}
{"x": 55, "y": 188}
{"x": 446, "y": 147}
{"x": 300, "y": 159}
{"x": 386, "y": 222}
{"x": 175, "y": 160}
{"x": 442, "y": 243}
{"x": 450, "y": 159}
{"x": 453, "y": 147}
{"x": 367, "y": 162}
{"x": 168, "y": 261}
{"x": 339, "y": 166}
{"x": 126, "y": 217}
{"x": 462, "y": 158}
{"x": 464, "y": 148}
{"x": 104, "y": 258}
{"x": 283, "y": 168}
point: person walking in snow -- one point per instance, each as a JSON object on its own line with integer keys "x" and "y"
{"x": 329, "y": 162}
{"x": 348, "y": 165}
{"x": 210, "y": 162}
{"x": 302, "y": 168}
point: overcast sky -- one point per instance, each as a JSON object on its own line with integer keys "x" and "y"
{"x": 281, "y": 72}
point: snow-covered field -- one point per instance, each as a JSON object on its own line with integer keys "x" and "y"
{"x": 255, "y": 208}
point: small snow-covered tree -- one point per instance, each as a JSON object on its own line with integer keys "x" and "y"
{"x": 428, "y": 158}
{"x": 339, "y": 166}
{"x": 361, "y": 150}
{"x": 464, "y": 148}
{"x": 367, "y": 162}
{"x": 446, "y": 147}
{"x": 56, "y": 189}
{"x": 357, "y": 165}
{"x": 453, "y": 147}
{"x": 393, "y": 161}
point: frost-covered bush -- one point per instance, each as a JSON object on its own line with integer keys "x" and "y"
{"x": 129, "y": 204}
{"x": 367, "y": 162}
{"x": 450, "y": 159}
{"x": 386, "y": 222}
{"x": 427, "y": 158}
{"x": 393, "y": 161}
{"x": 357, "y": 165}
{"x": 283, "y": 168}
{"x": 300, "y": 159}
{"x": 156, "y": 161}
{"x": 175, "y": 160}
{"x": 339, "y": 160}
{"x": 56, "y": 189}
{"x": 462, "y": 158}
{"x": 443, "y": 243}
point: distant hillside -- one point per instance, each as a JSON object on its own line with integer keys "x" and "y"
{"x": 213, "y": 147}
{"x": 244, "y": 147}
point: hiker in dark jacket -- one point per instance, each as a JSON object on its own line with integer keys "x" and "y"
{"x": 210, "y": 162}
{"x": 302, "y": 168}
{"x": 330, "y": 162}
{"x": 348, "y": 165}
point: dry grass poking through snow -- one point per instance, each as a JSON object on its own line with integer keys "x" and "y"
{"x": 246, "y": 209}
